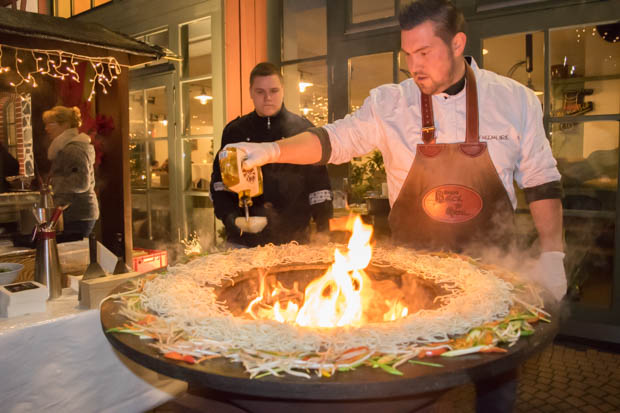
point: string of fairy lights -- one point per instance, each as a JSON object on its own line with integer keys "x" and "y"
{"x": 58, "y": 64}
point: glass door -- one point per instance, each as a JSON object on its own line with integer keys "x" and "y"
{"x": 151, "y": 161}
{"x": 576, "y": 75}
{"x": 584, "y": 128}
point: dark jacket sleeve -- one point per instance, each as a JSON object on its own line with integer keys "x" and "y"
{"x": 320, "y": 196}
{"x": 225, "y": 202}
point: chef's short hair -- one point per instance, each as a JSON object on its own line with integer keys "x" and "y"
{"x": 448, "y": 19}
{"x": 62, "y": 114}
{"x": 264, "y": 69}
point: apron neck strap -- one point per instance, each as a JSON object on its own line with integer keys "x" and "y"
{"x": 471, "y": 96}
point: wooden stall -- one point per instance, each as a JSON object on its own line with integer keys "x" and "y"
{"x": 49, "y": 61}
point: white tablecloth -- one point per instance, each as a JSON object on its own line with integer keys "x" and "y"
{"x": 60, "y": 361}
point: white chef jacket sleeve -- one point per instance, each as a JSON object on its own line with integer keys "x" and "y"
{"x": 357, "y": 133}
{"x": 536, "y": 165}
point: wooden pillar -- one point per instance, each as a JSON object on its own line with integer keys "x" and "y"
{"x": 245, "y": 46}
{"x": 114, "y": 179}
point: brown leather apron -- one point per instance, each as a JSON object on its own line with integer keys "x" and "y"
{"x": 452, "y": 198}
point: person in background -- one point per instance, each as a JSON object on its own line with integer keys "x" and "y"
{"x": 454, "y": 138}
{"x": 72, "y": 174}
{"x": 292, "y": 194}
{"x": 8, "y": 165}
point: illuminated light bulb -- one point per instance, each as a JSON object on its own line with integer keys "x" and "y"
{"x": 203, "y": 97}
{"x": 304, "y": 85}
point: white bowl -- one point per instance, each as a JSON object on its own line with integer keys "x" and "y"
{"x": 9, "y": 272}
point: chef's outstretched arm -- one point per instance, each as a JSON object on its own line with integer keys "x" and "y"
{"x": 302, "y": 149}
{"x": 549, "y": 271}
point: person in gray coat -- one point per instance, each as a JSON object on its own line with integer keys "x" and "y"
{"x": 72, "y": 173}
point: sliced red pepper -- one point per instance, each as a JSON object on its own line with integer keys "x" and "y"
{"x": 435, "y": 352}
{"x": 189, "y": 359}
{"x": 173, "y": 355}
{"x": 493, "y": 350}
{"x": 180, "y": 357}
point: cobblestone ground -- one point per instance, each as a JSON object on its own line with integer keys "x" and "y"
{"x": 563, "y": 378}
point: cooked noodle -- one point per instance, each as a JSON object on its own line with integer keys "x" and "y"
{"x": 192, "y": 321}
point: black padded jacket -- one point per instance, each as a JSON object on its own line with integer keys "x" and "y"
{"x": 292, "y": 194}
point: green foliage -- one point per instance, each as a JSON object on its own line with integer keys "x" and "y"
{"x": 366, "y": 176}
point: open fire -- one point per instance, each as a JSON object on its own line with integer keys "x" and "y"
{"x": 344, "y": 296}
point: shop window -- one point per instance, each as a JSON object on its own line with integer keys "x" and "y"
{"x": 367, "y": 175}
{"x": 305, "y": 90}
{"x": 367, "y": 72}
{"x": 157, "y": 38}
{"x": 198, "y": 107}
{"x": 200, "y": 165}
{"x": 148, "y": 163}
{"x": 304, "y": 26}
{"x": 62, "y": 8}
{"x": 80, "y": 6}
{"x": 585, "y": 70}
{"x": 196, "y": 48}
{"x": 68, "y": 8}
{"x": 587, "y": 155}
{"x": 519, "y": 57}
{"x": 197, "y": 101}
{"x": 370, "y": 10}
{"x": 583, "y": 129}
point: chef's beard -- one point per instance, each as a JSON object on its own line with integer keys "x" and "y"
{"x": 437, "y": 87}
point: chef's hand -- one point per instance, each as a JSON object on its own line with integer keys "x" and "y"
{"x": 257, "y": 154}
{"x": 549, "y": 272}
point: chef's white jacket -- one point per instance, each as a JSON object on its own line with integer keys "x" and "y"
{"x": 510, "y": 122}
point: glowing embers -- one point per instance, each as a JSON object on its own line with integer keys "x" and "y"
{"x": 344, "y": 295}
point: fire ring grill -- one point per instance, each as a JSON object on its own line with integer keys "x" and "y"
{"x": 420, "y": 293}
{"x": 362, "y": 390}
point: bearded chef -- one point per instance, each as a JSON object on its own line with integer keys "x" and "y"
{"x": 454, "y": 137}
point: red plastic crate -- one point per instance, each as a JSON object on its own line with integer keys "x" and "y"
{"x": 153, "y": 260}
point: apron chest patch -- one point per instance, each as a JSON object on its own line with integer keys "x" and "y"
{"x": 452, "y": 203}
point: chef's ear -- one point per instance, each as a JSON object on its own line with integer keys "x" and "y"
{"x": 458, "y": 43}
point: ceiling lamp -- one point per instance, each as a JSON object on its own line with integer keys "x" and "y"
{"x": 203, "y": 97}
{"x": 303, "y": 85}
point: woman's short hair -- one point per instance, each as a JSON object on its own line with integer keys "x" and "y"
{"x": 63, "y": 114}
{"x": 448, "y": 20}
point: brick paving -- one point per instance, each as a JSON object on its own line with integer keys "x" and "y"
{"x": 564, "y": 377}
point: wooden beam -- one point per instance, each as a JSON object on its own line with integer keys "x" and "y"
{"x": 114, "y": 188}
{"x": 260, "y": 17}
{"x": 244, "y": 49}
{"x": 248, "y": 52}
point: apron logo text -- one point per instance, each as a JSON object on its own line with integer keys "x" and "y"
{"x": 452, "y": 203}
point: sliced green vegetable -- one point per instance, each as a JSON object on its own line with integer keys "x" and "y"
{"x": 426, "y": 363}
{"x": 391, "y": 369}
{"x": 462, "y": 352}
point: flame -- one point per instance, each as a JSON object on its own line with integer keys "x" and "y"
{"x": 339, "y": 298}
